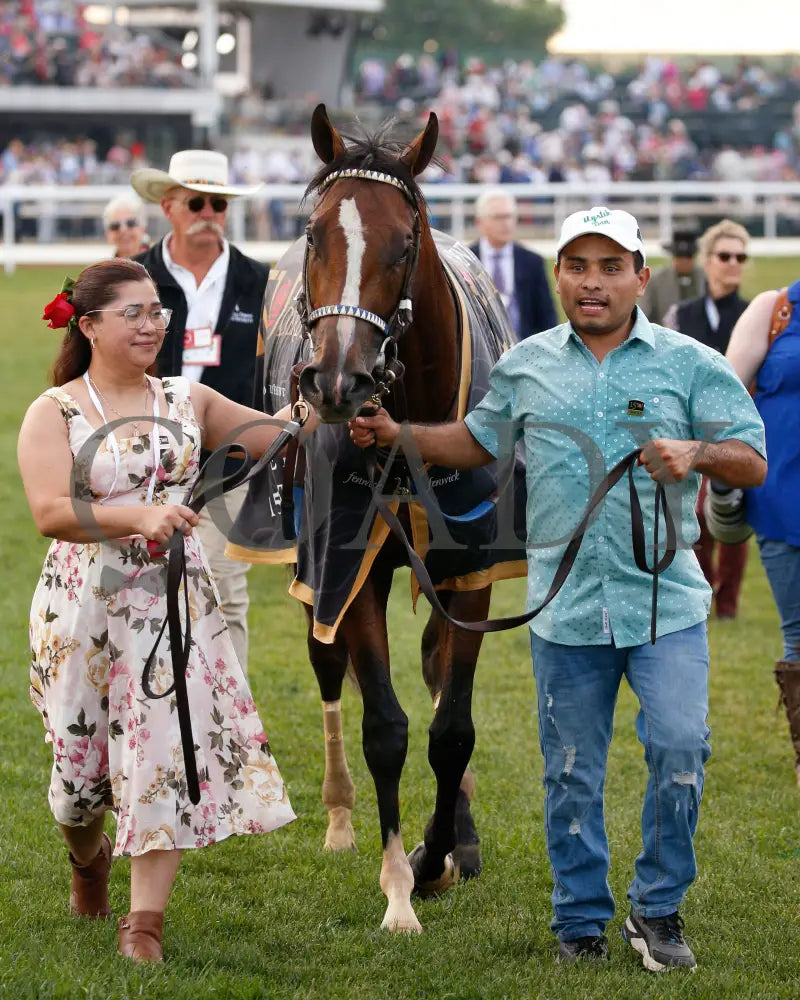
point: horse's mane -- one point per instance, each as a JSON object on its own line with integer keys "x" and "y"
{"x": 373, "y": 151}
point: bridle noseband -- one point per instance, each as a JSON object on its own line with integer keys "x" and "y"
{"x": 402, "y": 317}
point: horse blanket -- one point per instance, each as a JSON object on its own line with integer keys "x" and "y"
{"x": 453, "y": 514}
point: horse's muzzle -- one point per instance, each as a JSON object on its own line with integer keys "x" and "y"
{"x": 336, "y": 397}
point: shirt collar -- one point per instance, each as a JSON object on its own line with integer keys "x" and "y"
{"x": 642, "y": 330}
{"x": 487, "y": 252}
{"x": 219, "y": 265}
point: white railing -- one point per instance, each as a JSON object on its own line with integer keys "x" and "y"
{"x": 658, "y": 205}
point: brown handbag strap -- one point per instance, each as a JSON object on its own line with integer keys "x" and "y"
{"x": 781, "y": 315}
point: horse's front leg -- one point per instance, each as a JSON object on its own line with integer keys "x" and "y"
{"x": 385, "y": 740}
{"x": 451, "y": 845}
{"x": 338, "y": 791}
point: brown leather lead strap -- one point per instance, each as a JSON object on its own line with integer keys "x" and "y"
{"x": 570, "y": 553}
{"x": 180, "y": 634}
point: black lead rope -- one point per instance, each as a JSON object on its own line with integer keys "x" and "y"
{"x": 180, "y": 634}
{"x": 570, "y": 553}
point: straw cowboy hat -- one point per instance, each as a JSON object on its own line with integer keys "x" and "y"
{"x": 200, "y": 170}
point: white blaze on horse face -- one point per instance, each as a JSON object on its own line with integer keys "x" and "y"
{"x": 353, "y": 228}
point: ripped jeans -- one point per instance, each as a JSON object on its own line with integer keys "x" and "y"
{"x": 577, "y": 689}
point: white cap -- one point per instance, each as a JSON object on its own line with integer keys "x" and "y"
{"x": 619, "y": 226}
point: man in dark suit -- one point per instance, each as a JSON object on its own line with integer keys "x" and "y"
{"x": 518, "y": 274}
{"x": 215, "y": 293}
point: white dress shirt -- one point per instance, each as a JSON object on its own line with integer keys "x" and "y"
{"x": 203, "y": 301}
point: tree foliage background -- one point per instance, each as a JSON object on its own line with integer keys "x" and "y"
{"x": 514, "y": 26}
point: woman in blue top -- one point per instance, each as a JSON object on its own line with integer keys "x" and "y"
{"x": 772, "y": 509}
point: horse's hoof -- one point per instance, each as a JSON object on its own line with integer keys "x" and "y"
{"x": 401, "y": 923}
{"x": 340, "y": 835}
{"x": 468, "y": 860}
{"x": 432, "y": 887}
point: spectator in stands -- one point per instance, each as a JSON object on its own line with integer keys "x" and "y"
{"x": 710, "y": 318}
{"x": 772, "y": 508}
{"x": 215, "y": 294}
{"x": 518, "y": 273}
{"x": 680, "y": 280}
{"x": 124, "y": 225}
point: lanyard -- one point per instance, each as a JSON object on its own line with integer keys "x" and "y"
{"x": 115, "y": 447}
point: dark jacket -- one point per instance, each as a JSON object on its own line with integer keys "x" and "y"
{"x": 692, "y": 319}
{"x": 238, "y": 321}
{"x": 532, "y": 290}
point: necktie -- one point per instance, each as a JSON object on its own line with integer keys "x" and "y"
{"x": 498, "y": 277}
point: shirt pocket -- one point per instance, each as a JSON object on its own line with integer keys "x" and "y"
{"x": 657, "y": 415}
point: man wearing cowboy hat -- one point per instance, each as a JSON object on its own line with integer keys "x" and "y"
{"x": 215, "y": 294}
{"x": 676, "y": 282}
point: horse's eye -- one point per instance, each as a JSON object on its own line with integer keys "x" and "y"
{"x": 309, "y": 238}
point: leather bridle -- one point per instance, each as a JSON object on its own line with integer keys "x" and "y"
{"x": 391, "y": 329}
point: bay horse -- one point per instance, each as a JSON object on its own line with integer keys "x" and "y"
{"x": 374, "y": 293}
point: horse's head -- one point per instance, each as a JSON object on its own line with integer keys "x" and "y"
{"x": 363, "y": 240}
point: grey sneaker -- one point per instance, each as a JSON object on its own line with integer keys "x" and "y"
{"x": 660, "y": 942}
{"x": 593, "y": 948}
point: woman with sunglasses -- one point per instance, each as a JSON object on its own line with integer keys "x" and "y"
{"x": 710, "y": 318}
{"x": 107, "y": 455}
{"x": 123, "y": 224}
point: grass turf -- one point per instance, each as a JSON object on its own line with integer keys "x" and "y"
{"x": 276, "y": 917}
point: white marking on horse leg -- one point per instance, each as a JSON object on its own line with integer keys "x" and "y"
{"x": 352, "y": 226}
{"x": 397, "y": 882}
{"x": 338, "y": 790}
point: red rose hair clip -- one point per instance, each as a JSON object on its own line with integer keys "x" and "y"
{"x": 60, "y": 312}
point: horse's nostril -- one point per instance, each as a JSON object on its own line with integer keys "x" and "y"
{"x": 308, "y": 381}
{"x": 362, "y": 386}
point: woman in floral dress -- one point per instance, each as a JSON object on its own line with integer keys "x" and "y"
{"x": 111, "y": 501}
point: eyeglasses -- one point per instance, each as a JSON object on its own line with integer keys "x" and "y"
{"x": 116, "y": 226}
{"x": 725, "y": 256}
{"x": 136, "y": 316}
{"x": 197, "y": 203}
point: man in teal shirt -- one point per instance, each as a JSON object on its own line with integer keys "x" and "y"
{"x": 580, "y": 397}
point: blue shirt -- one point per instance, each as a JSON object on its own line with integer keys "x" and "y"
{"x": 772, "y": 509}
{"x": 583, "y": 417}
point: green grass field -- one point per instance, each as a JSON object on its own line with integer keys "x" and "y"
{"x": 276, "y": 917}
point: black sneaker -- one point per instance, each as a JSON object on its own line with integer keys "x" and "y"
{"x": 584, "y": 949}
{"x": 660, "y": 942}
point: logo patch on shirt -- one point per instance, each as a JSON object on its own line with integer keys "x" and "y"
{"x": 241, "y": 317}
{"x": 635, "y": 408}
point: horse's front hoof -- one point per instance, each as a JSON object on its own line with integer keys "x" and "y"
{"x": 401, "y": 920}
{"x": 340, "y": 835}
{"x": 432, "y": 886}
{"x": 468, "y": 860}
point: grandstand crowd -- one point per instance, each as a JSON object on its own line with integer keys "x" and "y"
{"x": 521, "y": 121}
{"x": 50, "y": 43}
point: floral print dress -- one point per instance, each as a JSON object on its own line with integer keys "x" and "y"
{"x": 96, "y": 613}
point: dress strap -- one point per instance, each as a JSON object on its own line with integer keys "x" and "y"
{"x": 68, "y": 406}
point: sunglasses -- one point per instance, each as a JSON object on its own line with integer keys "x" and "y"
{"x": 116, "y": 226}
{"x": 197, "y": 203}
{"x": 725, "y": 256}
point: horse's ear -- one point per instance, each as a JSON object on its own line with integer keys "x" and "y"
{"x": 419, "y": 153}
{"x": 328, "y": 144}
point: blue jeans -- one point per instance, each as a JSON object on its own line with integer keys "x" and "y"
{"x": 577, "y": 689}
{"x": 782, "y": 565}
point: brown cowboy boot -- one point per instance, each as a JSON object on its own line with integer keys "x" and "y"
{"x": 787, "y": 674}
{"x": 88, "y": 895}
{"x": 140, "y": 936}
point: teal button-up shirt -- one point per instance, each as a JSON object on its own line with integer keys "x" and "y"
{"x": 577, "y": 418}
